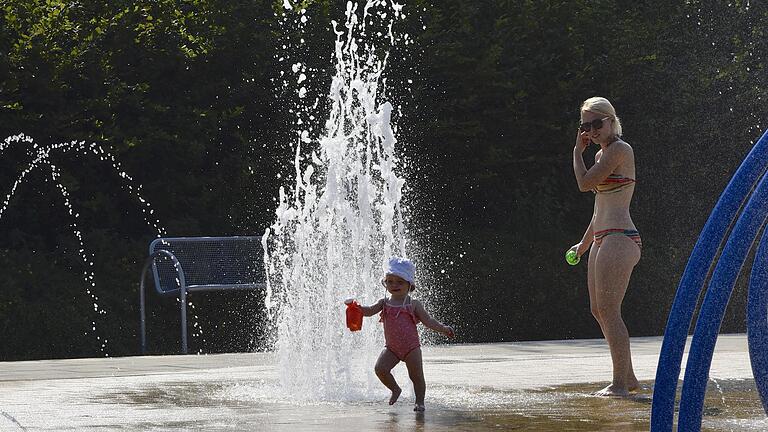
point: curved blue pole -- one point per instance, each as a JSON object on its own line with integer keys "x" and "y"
{"x": 757, "y": 320}
{"x": 679, "y": 321}
{"x": 713, "y": 307}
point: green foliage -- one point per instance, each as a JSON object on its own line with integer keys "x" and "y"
{"x": 187, "y": 95}
{"x": 503, "y": 84}
{"x": 181, "y": 93}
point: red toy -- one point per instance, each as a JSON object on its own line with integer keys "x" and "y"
{"x": 354, "y": 315}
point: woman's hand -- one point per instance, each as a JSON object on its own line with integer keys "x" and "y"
{"x": 582, "y": 141}
{"x": 580, "y": 248}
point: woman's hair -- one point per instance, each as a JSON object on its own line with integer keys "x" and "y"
{"x": 600, "y": 105}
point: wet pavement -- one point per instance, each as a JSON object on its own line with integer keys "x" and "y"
{"x": 530, "y": 386}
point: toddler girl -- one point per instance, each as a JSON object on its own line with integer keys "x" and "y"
{"x": 400, "y": 314}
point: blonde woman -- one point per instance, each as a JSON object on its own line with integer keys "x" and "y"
{"x": 613, "y": 237}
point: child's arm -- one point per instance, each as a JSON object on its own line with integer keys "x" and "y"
{"x": 430, "y": 322}
{"x": 372, "y": 309}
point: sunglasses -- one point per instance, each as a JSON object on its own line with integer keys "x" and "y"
{"x": 596, "y": 124}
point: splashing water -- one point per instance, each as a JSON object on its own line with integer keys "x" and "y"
{"x": 338, "y": 225}
{"x": 41, "y": 155}
{"x": 41, "y": 158}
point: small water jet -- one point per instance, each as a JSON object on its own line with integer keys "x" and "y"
{"x": 40, "y": 158}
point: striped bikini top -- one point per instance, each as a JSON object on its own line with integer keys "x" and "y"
{"x": 613, "y": 183}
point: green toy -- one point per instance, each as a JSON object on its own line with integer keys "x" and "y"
{"x": 572, "y": 257}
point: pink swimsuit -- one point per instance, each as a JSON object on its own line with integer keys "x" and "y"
{"x": 400, "y": 334}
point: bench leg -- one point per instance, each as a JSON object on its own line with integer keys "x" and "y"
{"x": 142, "y": 307}
{"x": 183, "y": 298}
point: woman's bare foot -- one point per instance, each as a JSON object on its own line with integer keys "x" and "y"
{"x": 395, "y": 395}
{"x": 633, "y": 385}
{"x": 612, "y": 391}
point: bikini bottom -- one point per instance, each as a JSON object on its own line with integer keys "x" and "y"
{"x": 632, "y": 234}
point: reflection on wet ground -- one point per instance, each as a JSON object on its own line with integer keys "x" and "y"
{"x": 526, "y": 386}
{"x": 730, "y": 405}
{"x": 733, "y": 405}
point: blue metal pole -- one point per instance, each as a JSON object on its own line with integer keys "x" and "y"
{"x": 680, "y": 316}
{"x": 757, "y": 320}
{"x": 713, "y": 307}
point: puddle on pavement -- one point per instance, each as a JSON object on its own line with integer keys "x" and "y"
{"x": 730, "y": 405}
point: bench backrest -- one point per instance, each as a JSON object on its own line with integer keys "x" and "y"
{"x": 220, "y": 262}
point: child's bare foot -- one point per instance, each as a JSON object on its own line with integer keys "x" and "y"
{"x": 419, "y": 407}
{"x": 612, "y": 391}
{"x": 395, "y": 395}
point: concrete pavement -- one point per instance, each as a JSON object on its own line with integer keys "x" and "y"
{"x": 470, "y": 387}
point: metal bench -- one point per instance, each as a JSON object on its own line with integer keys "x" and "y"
{"x": 184, "y": 265}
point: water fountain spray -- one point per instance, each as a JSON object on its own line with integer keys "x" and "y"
{"x": 338, "y": 224}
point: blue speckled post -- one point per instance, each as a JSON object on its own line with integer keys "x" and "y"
{"x": 713, "y": 307}
{"x": 692, "y": 281}
{"x": 757, "y": 320}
